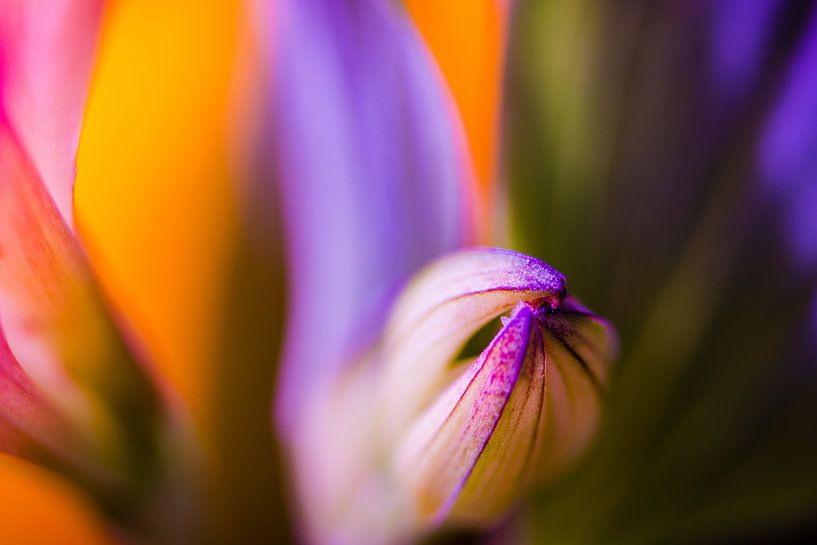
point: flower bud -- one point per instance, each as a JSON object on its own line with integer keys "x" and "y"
{"x": 408, "y": 438}
{"x": 519, "y": 412}
{"x": 442, "y": 308}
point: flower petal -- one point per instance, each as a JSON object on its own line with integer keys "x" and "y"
{"x": 572, "y": 404}
{"x": 442, "y": 308}
{"x": 24, "y": 415}
{"x": 444, "y": 448}
{"x": 47, "y": 51}
{"x": 371, "y": 168}
{"x": 503, "y": 470}
{"x": 467, "y": 38}
{"x": 591, "y": 339}
{"x": 41, "y": 509}
{"x": 787, "y": 148}
{"x": 56, "y": 323}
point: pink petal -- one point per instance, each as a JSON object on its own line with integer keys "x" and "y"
{"x": 25, "y": 417}
{"x": 43, "y": 281}
{"x": 47, "y": 50}
{"x": 56, "y": 324}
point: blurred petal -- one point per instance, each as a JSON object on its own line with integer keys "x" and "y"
{"x": 48, "y": 52}
{"x": 57, "y": 326}
{"x": 740, "y": 36}
{"x": 467, "y": 39}
{"x": 157, "y": 210}
{"x": 693, "y": 211}
{"x": 42, "y": 280}
{"x": 788, "y": 150}
{"x": 41, "y": 509}
{"x": 371, "y": 171}
{"x": 24, "y": 414}
{"x": 155, "y": 201}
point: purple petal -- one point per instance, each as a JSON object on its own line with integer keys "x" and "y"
{"x": 370, "y": 169}
{"x": 445, "y": 444}
{"x": 788, "y": 150}
{"x": 739, "y": 35}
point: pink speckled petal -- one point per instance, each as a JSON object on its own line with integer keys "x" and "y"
{"x": 56, "y": 324}
{"x": 373, "y": 179}
{"x": 26, "y": 418}
{"x": 44, "y": 287}
{"x": 507, "y": 463}
{"x": 444, "y": 306}
{"x": 47, "y": 49}
{"x": 440, "y": 463}
{"x": 46, "y": 54}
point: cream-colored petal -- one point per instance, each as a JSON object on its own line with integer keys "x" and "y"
{"x": 571, "y": 411}
{"x": 442, "y": 308}
{"x": 503, "y": 470}
{"x": 442, "y": 449}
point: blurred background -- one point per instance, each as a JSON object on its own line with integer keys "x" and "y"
{"x": 662, "y": 155}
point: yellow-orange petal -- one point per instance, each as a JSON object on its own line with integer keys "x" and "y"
{"x": 39, "y": 508}
{"x": 154, "y": 201}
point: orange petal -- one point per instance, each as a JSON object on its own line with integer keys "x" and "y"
{"x": 38, "y": 508}
{"x": 154, "y": 200}
{"x": 467, "y": 37}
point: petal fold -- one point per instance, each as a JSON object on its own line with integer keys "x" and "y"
{"x": 357, "y": 101}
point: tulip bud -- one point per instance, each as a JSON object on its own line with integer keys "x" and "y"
{"x": 519, "y": 412}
